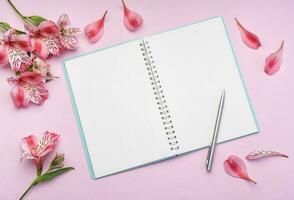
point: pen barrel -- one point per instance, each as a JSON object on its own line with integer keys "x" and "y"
{"x": 215, "y": 132}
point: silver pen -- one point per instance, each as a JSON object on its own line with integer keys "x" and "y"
{"x": 212, "y": 145}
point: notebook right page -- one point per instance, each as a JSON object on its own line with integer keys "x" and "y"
{"x": 195, "y": 63}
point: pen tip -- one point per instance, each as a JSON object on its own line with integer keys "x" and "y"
{"x": 224, "y": 92}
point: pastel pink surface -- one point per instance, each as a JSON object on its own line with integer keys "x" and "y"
{"x": 184, "y": 177}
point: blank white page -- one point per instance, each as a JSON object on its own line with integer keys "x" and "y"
{"x": 195, "y": 63}
{"x": 117, "y": 110}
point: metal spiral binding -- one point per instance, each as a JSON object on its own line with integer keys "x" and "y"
{"x": 159, "y": 96}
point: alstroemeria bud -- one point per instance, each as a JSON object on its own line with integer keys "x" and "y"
{"x": 57, "y": 162}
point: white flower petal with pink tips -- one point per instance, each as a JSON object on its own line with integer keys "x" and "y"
{"x": 53, "y": 45}
{"x": 18, "y": 59}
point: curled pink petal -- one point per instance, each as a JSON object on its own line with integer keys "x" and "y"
{"x": 94, "y": 31}
{"x": 274, "y": 61}
{"x": 132, "y": 20}
{"x": 48, "y": 29}
{"x": 20, "y": 96}
{"x": 235, "y": 167}
{"x": 250, "y": 39}
{"x": 263, "y": 153}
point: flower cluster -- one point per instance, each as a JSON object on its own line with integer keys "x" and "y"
{"x": 26, "y": 53}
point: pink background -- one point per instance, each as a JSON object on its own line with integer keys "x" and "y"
{"x": 184, "y": 177}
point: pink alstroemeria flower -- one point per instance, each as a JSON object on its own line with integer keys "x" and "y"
{"x": 66, "y": 37}
{"x": 13, "y": 50}
{"x": 34, "y": 150}
{"x": 28, "y": 87}
{"x": 44, "y": 38}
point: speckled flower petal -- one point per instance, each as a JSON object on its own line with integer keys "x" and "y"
{"x": 261, "y": 153}
{"x": 18, "y": 59}
{"x": 69, "y": 42}
{"x": 53, "y": 45}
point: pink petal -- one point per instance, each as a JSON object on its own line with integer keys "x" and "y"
{"x": 26, "y": 155}
{"x": 20, "y": 96}
{"x": 235, "y": 167}
{"x": 40, "y": 48}
{"x": 71, "y": 31}
{"x": 273, "y": 61}
{"x": 38, "y": 93}
{"x": 13, "y": 80}
{"x": 3, "y": 55}
{"x": 263, "y": 153}
{"x": 18, "y": 59}
{"x": 63, "y": 21}
{"x": 53, "y": 45}
{"x": 41, "y": 66}
{"x": 250, "y": 39}
{"x": 8, "y": 35}
{"x": 132, "y": 20}
{"x": 94, "y": 31}
{"x": 49, "y": 141}
{"x": 21, "y": 42}
{"x": 29, "y": 143}
{"x": 69, "y": 42}
{"x": 48, "y": 29}
{"x": 32, "y": 78}
{"x": 31, "y": 29}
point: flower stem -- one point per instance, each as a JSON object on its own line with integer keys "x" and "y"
{"x": 29, "y": 188}
{"x": 15, "y": 9}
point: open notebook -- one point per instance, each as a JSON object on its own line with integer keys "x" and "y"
{"x": 156, "y": 97}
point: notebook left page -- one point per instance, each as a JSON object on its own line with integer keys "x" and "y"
{"x": 116, "y": 110}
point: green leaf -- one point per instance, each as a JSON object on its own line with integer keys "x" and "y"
{"x": 18, "y": 32}
{"x": 35, "y": 19}
{"x": 50, "y": 175}
{"x": 5, "y": 25}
